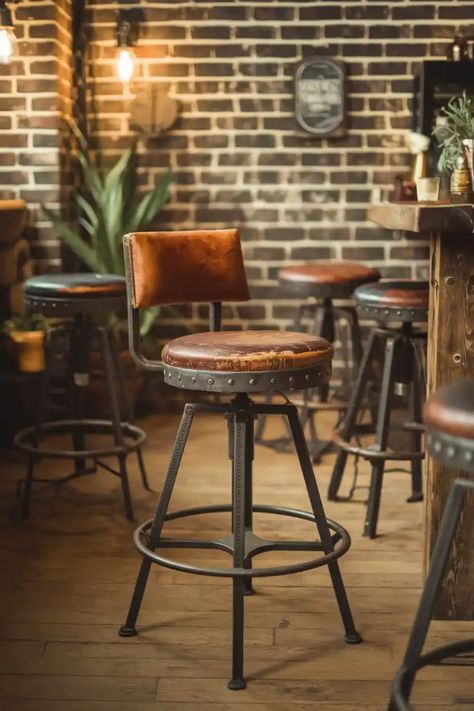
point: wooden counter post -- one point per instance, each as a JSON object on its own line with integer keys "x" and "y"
{"x": 451, "y": 359}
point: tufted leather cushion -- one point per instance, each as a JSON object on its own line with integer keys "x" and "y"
{"x": 450, "y": 410}
{"x": 239, "y": 351}
{"x": 329, "y": 273}
{"x": 391, "y": 293}
{"x": 185, "y": 267}
{"x": 75, "y": 285}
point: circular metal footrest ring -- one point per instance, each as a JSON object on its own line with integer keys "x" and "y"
{"x": 342, "y": 544}
{"x": 373, "y": 454}
{"x": 28, "y": 439}
{"x": 401, "y": 684}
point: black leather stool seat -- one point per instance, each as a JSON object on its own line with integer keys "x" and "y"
{"x": 69, "y": 294}
{"x": 394, "y": 299}
{"x": 326, "y": 279}
{"x": 75, "y": 286}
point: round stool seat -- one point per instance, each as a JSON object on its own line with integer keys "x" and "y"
{"x": 257, "y": 360}
{"x": 65, "y": 294}
{"x": 449, "y": 416}
{"x": 327, "y": 279}
{"x": 396, "y": 300}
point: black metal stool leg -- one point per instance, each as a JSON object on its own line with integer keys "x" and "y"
{"x": 241, "y": 420}
{"x": 351, "y": 634}
{"x": 127, "y": 406}
{"x": 249, "y": 456}
{"x": 355, "y": 339}
{"x": 381, "y": 439}
{"x": 128, "y": 629}
{"x": 417, "y": 388}
{"x": 325, "y": 329}
{"x": 79, "y": 360}
{"x": 439, "y": 559}
{"x": 351, "y": 416}
{"x": 115, "y": 416}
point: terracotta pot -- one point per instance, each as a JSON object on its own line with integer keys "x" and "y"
{"x": 30, "y": 350}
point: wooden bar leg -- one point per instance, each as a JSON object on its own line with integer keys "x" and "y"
{"x": 451, "y": 359}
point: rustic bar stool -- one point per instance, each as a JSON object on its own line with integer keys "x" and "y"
{"x": 207, "y": 266}
{"x": 79, "y": 300}
{"x": 317, "y": 284}
{"x": 387, "y": 301}
{"x": 449, "y": 417}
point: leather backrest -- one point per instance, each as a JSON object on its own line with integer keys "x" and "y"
{"x": 184, "y": 267}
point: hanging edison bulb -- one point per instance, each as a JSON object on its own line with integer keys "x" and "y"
{"x": 8, "y": 41}
{"x": 125, "y": 60}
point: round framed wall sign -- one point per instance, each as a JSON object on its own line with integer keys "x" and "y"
{"x": 320, "y": 96}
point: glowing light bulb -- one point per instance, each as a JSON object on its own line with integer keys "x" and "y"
{"x": 8, "y": 45}
{"x": 125, "y": 62}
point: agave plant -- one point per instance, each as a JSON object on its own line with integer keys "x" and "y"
{"x": 108, "y": 206}
{"x": 457, "y": 125}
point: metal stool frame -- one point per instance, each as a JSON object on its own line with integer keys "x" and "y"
{"x": 326, "y": 321}
{"x": 402, "y": 365}
{"x": 243, "y": 544}
{"x": 457, "y": 452}
{"x": 81, "y": 331}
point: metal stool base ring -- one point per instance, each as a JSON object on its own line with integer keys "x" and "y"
{"x": 399, "y": 699}
{"x": 253, "y": 544}
{"x": 27, "y": 439}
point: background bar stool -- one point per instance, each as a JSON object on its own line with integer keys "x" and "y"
{"x": 207, "y": 266}
{"x": 316, "y": 284}
{"x": 79, "y": 299}
{"x": 449, "y": 417}
{"x": 403, "y": 373}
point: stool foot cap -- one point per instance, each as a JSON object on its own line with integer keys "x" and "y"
{"x": 125, "y": 631}
{"x": 249, "y": 591}
{"x": 236, "y": 684}
{"x": 353, "y": 638}
{"x": 415, "y": 497}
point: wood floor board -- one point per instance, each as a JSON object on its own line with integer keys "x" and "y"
{"x": 67, "y": 574}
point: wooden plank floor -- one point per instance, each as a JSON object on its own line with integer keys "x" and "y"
{"x": 67, "y": 575}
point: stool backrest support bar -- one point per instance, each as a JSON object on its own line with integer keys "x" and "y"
{"x": 181, "y": 267}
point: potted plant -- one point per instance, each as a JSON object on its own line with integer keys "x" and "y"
{"x": 27, "y": 332}
{"x": 455, "y": 134}
{"x": 108, "y": 206}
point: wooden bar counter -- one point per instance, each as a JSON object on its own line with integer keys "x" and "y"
{"x": 449, "y": 228}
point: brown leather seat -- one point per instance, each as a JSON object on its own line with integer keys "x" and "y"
{"x": 450, "y": 410}
{"x": 400, "y": 299}
{"x": 245, "y": 351}
{"x": 327, "y": 279}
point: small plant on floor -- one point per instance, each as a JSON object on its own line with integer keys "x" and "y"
{"x": 108, "y": 206}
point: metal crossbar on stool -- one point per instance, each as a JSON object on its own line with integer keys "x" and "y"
{"x": 403, "y": 374}
{"x": 63, "y": 296}
{"x": 449, "y": 416}
{"x": 231, "y": 363}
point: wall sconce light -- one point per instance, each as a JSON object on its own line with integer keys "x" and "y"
{"x": 125, "y": 60}
{"x": 8, "y": 41}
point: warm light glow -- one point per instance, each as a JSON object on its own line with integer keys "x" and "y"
{"x": 8, "y": 45}
{"x": 125, "y": 62}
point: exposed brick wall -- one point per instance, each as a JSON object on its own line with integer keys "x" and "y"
{"x": 237, "y": 155}
{"x": 34, "y": 97}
